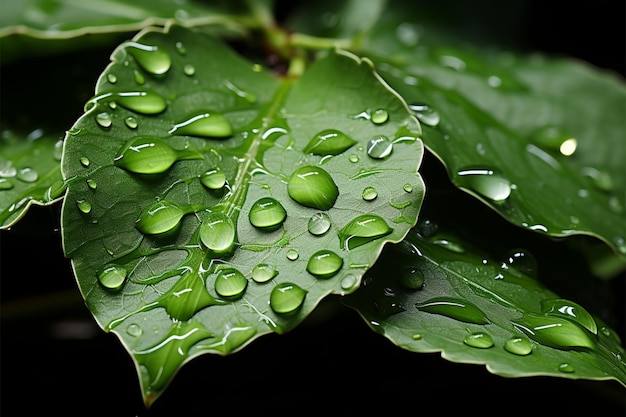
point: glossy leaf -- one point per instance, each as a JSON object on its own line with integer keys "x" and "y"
{"x": 206, "y": 226}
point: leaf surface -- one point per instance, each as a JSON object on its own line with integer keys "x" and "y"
{"x": 226, "y": 201}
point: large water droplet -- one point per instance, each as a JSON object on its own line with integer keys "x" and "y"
{"x": 143, "y": 101}
{"x": 379, "y": 147}
{"x": 324, "y": 264}
{"x": 485, "y": 181}
{"x": 263, "y": 272}
{"x": 479, "y": 340}
{"x": 213, "y": 179}
{"x": 112, "y": 277}
{"x": 329, "y": 142}
{"x": 217, "y": 232}
{"x": 454, "y": 308}
{"x": 151, "y": 58}
{"x": 363, "y": 229}
{"x": 160, "y": 217}
{"x": 149, "y": 155}
{"x": 518, "y": 346}
{"x": 205, "y": 125}
{"x": 319, "y": 224}
{"x": 104, "y": 119}
{"x": 287, "y": 298}
{"x": 267, "y": 214}
{"x": 230, "y": 283}
{"x": 312, "y": 187}
{"x": 571, "y": 310}
{"x": 555, "y": 331}
{"x": 425, "y": 114}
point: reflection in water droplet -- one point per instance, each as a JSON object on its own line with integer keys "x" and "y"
{"x": 518, "y": 346}
{"x": 454, "y": 308}
{"x": 104, "y": 119}
{"x": 369, "y": 193}
{"x": 217, "y": 232}
{"x": 312, "y": 187}
{"x": 485, "y": 181}
{"x": 27, "y": 175}
{"x": 379, "y": 147}
{"x": 84, "y": 206}
{"x": 363, "y": 229}
{"x": 149, "y": 155}
{"x": 112, "y": 277}
{"x": 425, "y": 114}
{"x": 329, "y": 142}
{"x": 319, "y": 224}
{"x": 555, "y": 331}
{"x": 287, "y": 298}
{"x": 267, "y": 214}
{"x": 151, "y": 58}
{"x": 479, "y": 340}
{"x": 570, "y": 310}
{"x": 324, "y": 264}
{"x": 160, "y": 217}
{"x": 263, "y": 272}
{"x": 230, "y": 283}
{"x": 380, "y": 116}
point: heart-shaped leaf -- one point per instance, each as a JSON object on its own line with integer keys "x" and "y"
{"x": 211, "y": 201}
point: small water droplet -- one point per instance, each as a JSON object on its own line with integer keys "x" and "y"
{"x": 91, "y": 183}
{"x": 518, "y": 346}
{"x": 566, "y": 368}
{"x": 454, "y": 308}
{"x": 104, "y": 119}
{"x": 599, "y": 178}
{"x": 84, "y": 206}
{"x": 84, "y": 161}
{"x": 554, "y": 331}
{"x": 150, "y": 155}
{"x": 354, "y": 158}
{"x": 180, "y": 48}
{"x": 522, "y": 261}
{"x": 134, "y": 330}
{"x": 6, "y": 184}
{"x": 139, "y": 78}
{"x": 230, "y": 283}
{"x": 263, "y": 272}
{"x": 189, "y": 69}
{"x": 570, "y": 310}
{"x": 425, "y": 114}
{"x": 287, "y": 298}
{"x": 427, "y": 228}
{"x": 27, "y": 175}
{"x": 329, "y": 142}
{"x": 363, "y": 229}
{"x": 324, "y": 264}
{"x": 408, "y": 188}
{"x": 487, "y": 182}
{"x": 369, "y": 193}
{"x": 160, "y": 217}
{"x": 131, "y": 122}
{"x": 319, "y": 224}
{"x": 479, "y": 340}
{"x": 112, "y": 78}
{"x": 213, "y": 179}
{"x": 411, "y": 278}
{"x": 204, "y": 125}
{"x": 151, "y": 58}
{"x": 379, "y": 147}
{"x": 312, "y": 187}
{"x": 267, "y": 214}
{"x": 143, "y": 101}
{"x": 112, "y": 277}
{"x": 380, "y": 116}
{"x": 349, "y": 282}
{"x": 292, "y": 254}
{"x": 217, "y": 232}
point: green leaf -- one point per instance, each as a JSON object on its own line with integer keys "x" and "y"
{"x": 29, "y": 173}
{"x": 207, "y": 224}
{"x": 538, "y": 140}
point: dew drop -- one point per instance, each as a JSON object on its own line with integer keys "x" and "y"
{"x": 139, "y": 78}
{"x": 379, "y": 147}
{"x": 287, "y": 298}
{"x": 131, "y": 122}
{"x": 204, "y": 125}
{"x": 134, "y": 330}
{"x": 160, "y": 217}
{"x": 518, "y": 346}
{"x": 292, "y": 254}
{"x": 180, "y": 48}
{"x": 6, "y": 184}
{"x": 84, "y": 161}
{"x": 425, "y": 114}
{"x": 151, "y": 58}
{"x": 84, "y": 206}
{"x": 112, "y": 78}
{"x": 349, "y": 282}
{"x": 27, "y": 175}
{"x": 566, "y": 368}
{"x": 599, "y": 178}
{"x": 150, "y": 155}
{"x": 571, "y": 310}
{"x": 411, "y": 278}
{"x": 267, "y": 214}
{"x": 248, "y": 97}
{"x": 353, "y": 158}
{"x": 213, "y": 179}
{"x": 143, "y": 101}
{"x": 91, "y": 183}
{"x": 263, "y": 272}
{"x": 427, "y": 228}
{"x": 217, "y": 233}
{"x": 112, "y": 277}
{"x": 230, "y": 283}
{"x": 329, "y": 142}
{"x": 319, "y": 224}
{"x": 369, "y": 193}
{"x": 363, "y": 229}
{"x": 104, "y": 119}
{"x": 324, "y": 264}
{"x": 555, "y": 331}
{"x": 380, "y": 116}
{"x": 485, "y": 181}
{"x": 312, "y": 187}
{"x": 189, "y": 69}
{"x": 408, "y": 188}
{"x": 479, "y": 340}
{"x": 454, "y": 308}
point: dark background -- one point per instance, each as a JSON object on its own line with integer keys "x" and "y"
{"x": 55, "y": 360}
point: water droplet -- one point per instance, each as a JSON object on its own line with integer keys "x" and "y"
{"x": 521, "y": 261}
{"x": 454, "y": 308}
{"x": 131, "y": 122}
{"x": 160, "y": 217}
{"x": 312, "y": 187}
{"x": 292, "y": 254}
{"x": 180, "y": 48}
{"x": 151, "y": 58}
{"x": 411, "y": 278}
{"x": 287, "y": 298}
{"x": 555, "y": 331}
{"x": 6, "y": 184}
{"x": 104, "y": 119}
{"x": 91, "y": 183}
{"x": 427, "y": 228}
{"x": 518, "y": 346}
{"x": 84, "y": 161}
{"x": 570, "y": 310}
{"x": 349, "y": 282}
{"x": 27, "y": 175}
{"x": 479, "y": 340}
{"x": 213, "y": 179}
{"x": 425, "y": 114}
{"x": 354, "y": 158}
{"x": 407, "y": 34}
{"x": 267, "y": 214}
{"x": 263, "y": 272}
{"x": 449, "y": 245}
{"x": 112, "y": 277}
{"x": 249, "y": 97}
{"x": 566, "y": 368}
{"x": 319, "y": 224}
{"x": 363, "y": 229}
{"x": 134, "y": 330}
{"x": 144, "y": 101}
{"x": 58, "y": 150}
{"x": 555, "y": 139}
{"x": 217, "y": 232}
{"x": 599, "y": 178}
{"x": 324, "y": 264}
{"x": 380, "y": 116}
{"x": 189, "y": 69}
{"x": 139, "y": 78}
{"x": 408, "y": 188}
{"x": 379, "y": 147}
{"x": 329, "y": 142}
{"x": 149, "y": 155}
{"x": 369, "y": 193}
{"x": 230, "y": 283}
{"x": 112, "y": 78}
{"x": 487, "y": 182}
{"x": 204, "y": 125}
{"x": 84, "y": 206}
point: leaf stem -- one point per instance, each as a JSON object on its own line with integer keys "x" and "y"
{"x": 312, "y": 42}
